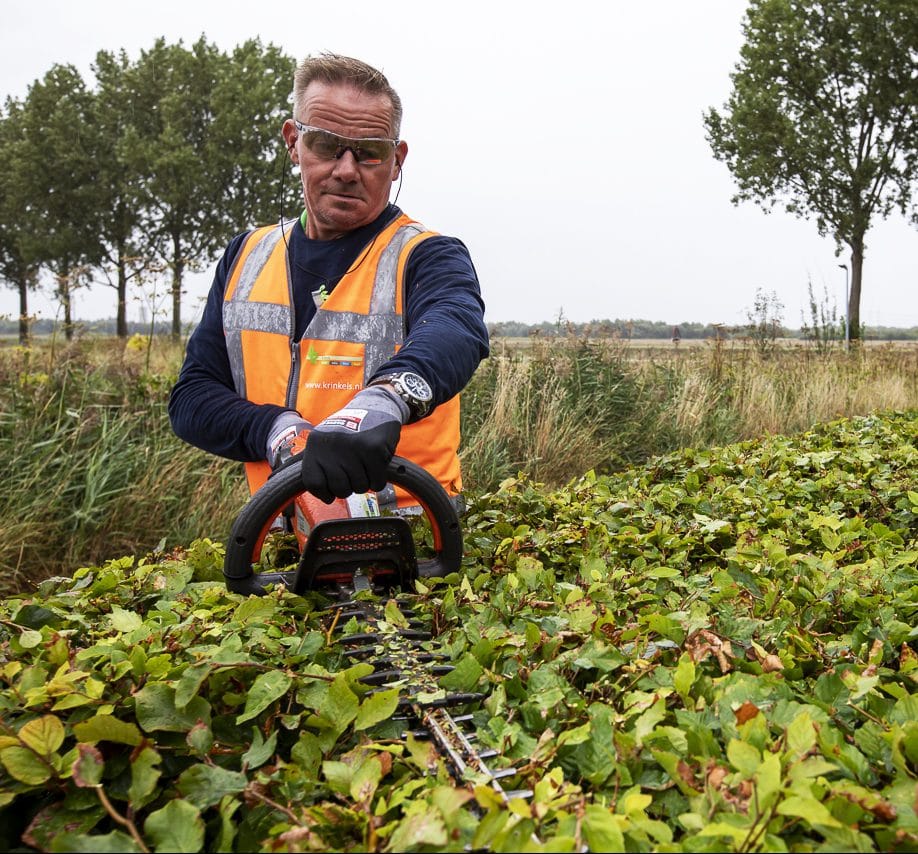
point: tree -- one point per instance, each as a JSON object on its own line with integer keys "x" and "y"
{"x": 119, "y": 184}
{"x": 206, "y": 137}
{"x": 55, "y": 162}
{"x": 16, "y": 267}
{"x": 823, "y": 116}
{"x": 250, "y": 102}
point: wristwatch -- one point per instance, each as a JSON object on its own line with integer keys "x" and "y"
{"x": 410, "y": 387}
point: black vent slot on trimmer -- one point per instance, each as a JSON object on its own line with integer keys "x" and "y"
{"x": 380, "y": 548}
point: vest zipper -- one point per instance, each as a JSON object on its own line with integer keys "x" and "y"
{"x": 294, "y": 381}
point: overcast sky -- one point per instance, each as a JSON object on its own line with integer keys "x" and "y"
{"x": 566, "y": 148}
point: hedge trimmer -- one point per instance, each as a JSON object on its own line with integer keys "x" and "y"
{"x": 359, "y": 560}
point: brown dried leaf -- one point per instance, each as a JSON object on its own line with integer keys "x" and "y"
{"x": 746, "y": 712}
{"x": 772, "y": 664}
{"x": 884, "y": 811}
{"x": 704, "y": 643}
{"x": 385, "y": 760}
{"x": 686, "y": 773}
{"x": 716, "y": 775}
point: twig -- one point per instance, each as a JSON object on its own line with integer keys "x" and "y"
{"x": 124, "y": 822}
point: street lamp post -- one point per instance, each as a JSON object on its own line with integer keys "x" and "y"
{"x": 847, "y": 328}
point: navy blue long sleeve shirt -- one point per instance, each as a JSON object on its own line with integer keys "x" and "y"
{"x": 446, "y": 336}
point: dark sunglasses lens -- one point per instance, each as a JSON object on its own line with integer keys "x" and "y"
{"x": 328, "y": 146}
{"x": 322, "y": 144}
{"x": 372, "y": 152}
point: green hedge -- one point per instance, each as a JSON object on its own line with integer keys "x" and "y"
{"x": 715, "y": 651}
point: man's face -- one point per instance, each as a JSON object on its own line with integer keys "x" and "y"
{"x": 340, "y": 193}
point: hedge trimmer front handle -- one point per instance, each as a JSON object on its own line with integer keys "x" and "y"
{"x": 257, "y": 517}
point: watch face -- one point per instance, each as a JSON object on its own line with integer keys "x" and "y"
{"x": 416, "y": 386}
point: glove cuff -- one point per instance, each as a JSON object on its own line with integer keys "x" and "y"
{"x": 285, "y": 427}
{"x": 380, "y": 399}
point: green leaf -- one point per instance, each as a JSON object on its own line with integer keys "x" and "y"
{"x": 365, "y": 780}
{"x": 144, "y": 776}
{"x": 684, "y": 676}
{"x": 204, "y": 785}
{"x": 738, "y": 833}
{"x": 178, "y": 827}
{"x": 602, "y": 829}
{"x": 115, "y": 842}
{"x": 768, "y": 781}
{"x": 108, "y": 728}
{"x": 646, "y": 722}
{"x": 465, "y": 676}
{"x": 200, "y": 738}
{"x": 394, "y": 616}
{"x": 809, "y": 809}
{"x": 266, "y": 689}
{"x": 23, "y": 765}
{"x": 662, "y": 572}
{"x": 30, "y": 638}
{"x": 124, "y": 621}
{"x": 665, "y": 626}
{"x": 156, "y": 710}
{"x": 339, "y": 705}
{"x": 744, "y": 757}
{"x": 52, "y": 821}
{"x": 338, "y": 775}
{"x": 44, "y": 735}
{"x": 261, "y": 751}
{"x": 801, "y": 735}
{"x": 419, "y": 830}
{"x": 376, "y": 708}
{"x": 190, "y": 683}
{"x": 88, "y": 767}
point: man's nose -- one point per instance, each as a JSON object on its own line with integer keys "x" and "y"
{"x": 346, "y": 167}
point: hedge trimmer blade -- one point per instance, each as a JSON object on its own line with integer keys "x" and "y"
{"x": 358, "y": 563}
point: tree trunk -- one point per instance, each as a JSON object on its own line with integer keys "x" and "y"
{"x": 23, "y": 313}
{"x": 66, "y": 301}
{"x": 854, "y": 298}
{"x": 121, "y": 320}
{"x": 178, "y": 269}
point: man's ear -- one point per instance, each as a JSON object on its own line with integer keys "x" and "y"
{"x": 401, "y": 152}
{"x": 290, "y": 135}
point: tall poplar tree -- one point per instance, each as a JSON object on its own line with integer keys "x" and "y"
{"x": 823, "y": 117}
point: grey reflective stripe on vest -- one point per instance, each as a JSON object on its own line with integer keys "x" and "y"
{"x": 240, "y": 314}
{"x": 382, "y": 330}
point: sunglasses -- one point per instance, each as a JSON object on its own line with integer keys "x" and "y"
{"x": 330, "y": 146}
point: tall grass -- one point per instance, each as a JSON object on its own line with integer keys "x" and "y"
{"x": 559, "y": 408}
{"x": 93, "y": 471}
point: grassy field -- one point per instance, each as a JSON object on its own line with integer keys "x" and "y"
{"x": 94, "y": 470}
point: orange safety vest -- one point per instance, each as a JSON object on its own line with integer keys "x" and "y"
{"x": 357, "y": 328}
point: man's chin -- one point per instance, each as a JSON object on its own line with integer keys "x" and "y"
{"x": 336, "y": 221}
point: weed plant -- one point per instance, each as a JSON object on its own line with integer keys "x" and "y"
{"x": 93, "y": 470}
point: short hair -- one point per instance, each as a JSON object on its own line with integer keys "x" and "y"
{"x": 334, "y": 69}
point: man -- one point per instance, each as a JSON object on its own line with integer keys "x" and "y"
{"x": 347, "y": 334}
